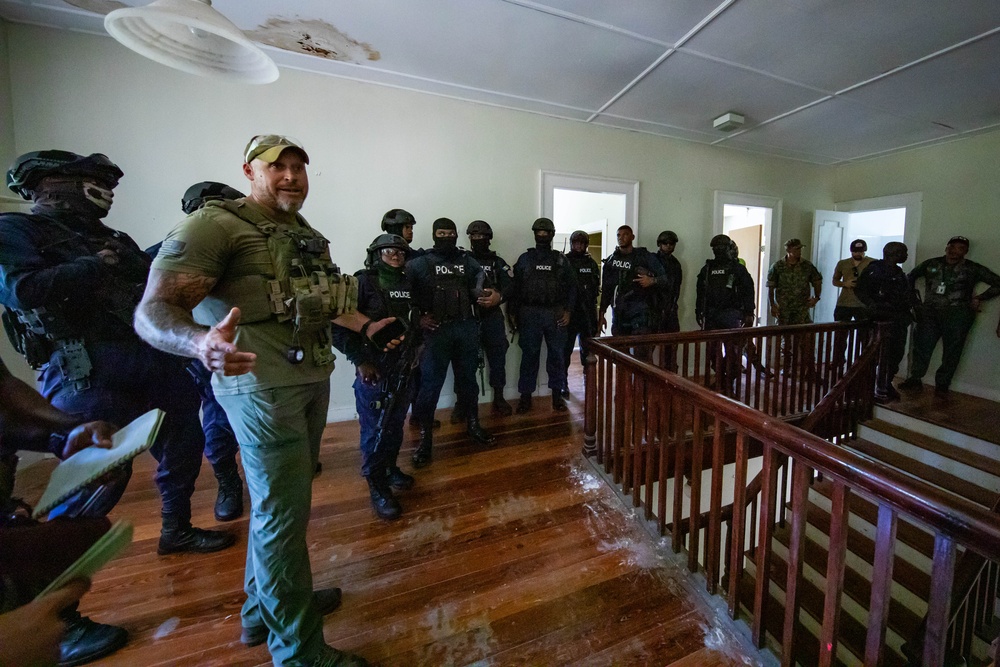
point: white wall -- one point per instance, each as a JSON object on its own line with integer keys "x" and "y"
{"x": 372, "y": 148}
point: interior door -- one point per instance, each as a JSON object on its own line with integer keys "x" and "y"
{"x": 829, "y": 241}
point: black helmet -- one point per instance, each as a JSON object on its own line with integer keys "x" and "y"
{"x": 721, "y": 240}
{"x": 383, "y": 241}
{"x": 579, "y": 235}
{"x": 395, "y": 219}
{"x": 666, "y": 237}
{"x": 480, "y": 227}
{"x": 199, "y": 193}
{"x": 30, "y": 168}
{"x": 543, "y": 225}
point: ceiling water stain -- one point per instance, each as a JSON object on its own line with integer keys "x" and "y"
{"x": 313, "y": 37}
{"x": 97, "y": 6}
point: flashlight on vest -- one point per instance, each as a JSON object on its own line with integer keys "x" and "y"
{"x": 295, "y": 354}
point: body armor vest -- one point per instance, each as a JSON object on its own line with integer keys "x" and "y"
{"x": 307, "y": 290}
{"x": 542, "y": 283}
{"x": 721, "y": 291}
{"x": 450, "y": 284}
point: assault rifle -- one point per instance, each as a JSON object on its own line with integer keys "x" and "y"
{"x": 393, "y": 385}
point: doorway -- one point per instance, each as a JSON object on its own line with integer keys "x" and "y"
{"x": 597, "y": 205}
{"x": 754, "y": 223}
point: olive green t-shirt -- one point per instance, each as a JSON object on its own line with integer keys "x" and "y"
{"x": 847, "y": 269}
{"x": 215, "y": 243}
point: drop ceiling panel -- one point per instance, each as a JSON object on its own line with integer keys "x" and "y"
{"x": 653, "y": 128}
{"x": 665, "y": 22}
{"x": 958, "y": 80}
{"x": 833, "y": 44}
{"x": 841, "y": 129}
{"x": 495, "y": 46}
{"x": 689, "y": 92}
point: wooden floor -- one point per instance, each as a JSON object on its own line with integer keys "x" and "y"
{"x": 517, "y": 555}
{"x": 966, "y": 414}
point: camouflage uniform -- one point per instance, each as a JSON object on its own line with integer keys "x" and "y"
{"x": 792, "y": 285}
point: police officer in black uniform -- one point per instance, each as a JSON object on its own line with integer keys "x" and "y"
{"x": 583, "y": 321}
{"x": 445, "y": 284}
{"x": 542, "y": 298}
{"x": 383, "y": 291}
{"x": 70, "y": 285}
{"x": 492, "y": 329}
{"x": 725, "y": 299}
{"x": 630, "y": 282}
{"x": 401, "y": 223}
{"x": 220, "y": 441}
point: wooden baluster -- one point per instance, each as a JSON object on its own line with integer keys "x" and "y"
{"x": 590, "y": 405}
{"x": 765, "y": 531}
{"x": 757, "y": 399}
{"x": 640, "y": 437}
{"x": 685, "y": 369}
{"x": 694, "y": 515}
{"x": 664, "y": 448}
{"x": 834, "y": 575}
{"x": 622, "y": 385}
{"x": 738, "y": 538}
{"x": 801, "y": 476}
{"x": 713, "y": 555}
{"x": 677, "y": 434}
{"x": 697, "y": 361}
{"x": 608, "y": 379}
{"x": 881, "y": 585}
{"x": 942, "y": 574}
{"x": 652, "y": 437}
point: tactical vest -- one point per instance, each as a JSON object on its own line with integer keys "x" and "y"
{"x": 629, "y": 268}
{"x": 449, "y": 282}
{"x": 396, "y": 300}
{"x": 47, "y": 332}
{"x": 308, "y": 290}
{"x": 720, "y": 286}
{"x": 542, "y": 283}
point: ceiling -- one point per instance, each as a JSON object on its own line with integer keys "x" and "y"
{"x": 822, "y": 81}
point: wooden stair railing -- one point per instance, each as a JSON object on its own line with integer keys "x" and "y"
{"x": 638, "y": 414}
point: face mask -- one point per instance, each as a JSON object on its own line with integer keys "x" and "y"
{"x": 543, "y": 242}
{"x": 84, "y": 197}
{"x": 480, "y": 246}
{"x": 445, "y": 243}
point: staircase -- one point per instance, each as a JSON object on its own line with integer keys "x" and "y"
{"x": 963, "y": 464}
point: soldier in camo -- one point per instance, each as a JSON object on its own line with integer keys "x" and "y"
{"x": 788, "y": 286}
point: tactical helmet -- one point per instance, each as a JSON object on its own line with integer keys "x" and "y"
{"x": 199, "y": 193}
{"x": 395, "y": 219}
{"x": 383, "y": 241}
{"x": 666, "y": 237}
{"x": 444, "y": 223}
{"x": 579, "y": 235}
{"x": 480, "y": 227}
{"x": 721, "y": 240}
{"x": 543, "y": 225}
{"x": 30, "y": 168}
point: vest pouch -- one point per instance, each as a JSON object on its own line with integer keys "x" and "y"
{"x": 73, "y": 362}
{"x": 34, "y": 347}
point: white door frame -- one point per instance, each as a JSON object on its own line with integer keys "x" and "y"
{"x": 551, "y": 180}
{"x": 771, "y": 234}
{"x": 911, "y": 201}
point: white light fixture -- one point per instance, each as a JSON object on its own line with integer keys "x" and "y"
{"x": 191, "y": 36}
{"x": 728, "y": 121}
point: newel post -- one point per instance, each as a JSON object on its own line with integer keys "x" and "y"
{"x": 590, "y": 405}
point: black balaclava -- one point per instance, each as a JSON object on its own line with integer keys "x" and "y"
{"x": 722, "y": 252}
{"x": 75, "y": 193}
{"x": 447, "y": 245}
{"x": 480, "y": 246}
{"x": 543, "y": 243}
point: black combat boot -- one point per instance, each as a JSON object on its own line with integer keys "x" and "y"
{"x": 565, "y": 392}
{"x": 459, "y": 414}
{"x": 478, "y": 433}
{"x": 500, "y": 404}
{"x": 558, "y": 403}
{"x": 179, "y": 535}
{"x": 86, "y": 641}
{"x": 384, "y": 503}
{"x": 229, "y": 502}
{"x": 524, "y": 405}
{"x": 422, "y": 454}
{"x": 399, "y": 480}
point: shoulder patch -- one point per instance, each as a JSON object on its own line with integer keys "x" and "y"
{"x": 172, "y": 248}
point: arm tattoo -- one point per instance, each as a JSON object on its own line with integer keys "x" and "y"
{"x": 163, "y": 318}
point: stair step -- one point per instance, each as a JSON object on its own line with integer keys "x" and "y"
{"x": 904, "y": 573}
{"x": 902, "y": 620}
{"x": 908, "y": 533}
{"x": 954, "y": 452}
{"x": 927, "y": 473}
{"x": 853, "y": 633}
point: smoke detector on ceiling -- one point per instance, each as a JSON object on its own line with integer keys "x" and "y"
{"x": 728, "y": 121}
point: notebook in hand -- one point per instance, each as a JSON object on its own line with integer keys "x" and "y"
{"x": 88, "y": 464}
{"x": 97, "y": 556}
